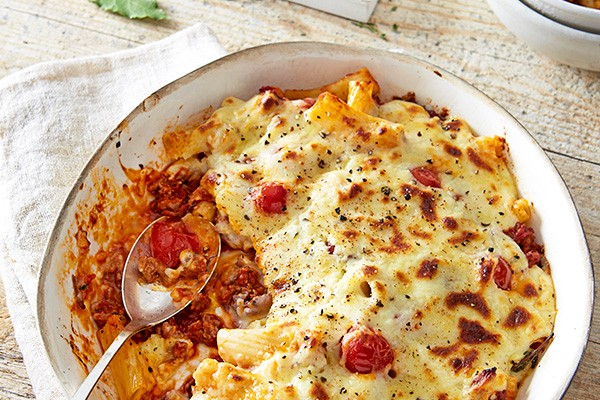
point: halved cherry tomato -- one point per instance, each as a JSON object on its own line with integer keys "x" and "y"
{"x": 365, "y": 350}
{"x": 169, "y": 238}
{"x": 502, "y": 274}
{"x": 270, "y": 198}
{"x": 426, "y": 176}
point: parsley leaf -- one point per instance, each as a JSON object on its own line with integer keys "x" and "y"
{"x": 366, "y": 25}
{"x": 132, "y": 8}
{"x": 371, "y": 27}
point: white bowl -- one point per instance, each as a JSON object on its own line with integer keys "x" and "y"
{"x": 559, "y": 42}
{"x": 578, "y": 17}
{"x": 295, "y": 65}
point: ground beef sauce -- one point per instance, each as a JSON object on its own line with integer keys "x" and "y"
{"x": 235, "y": 296}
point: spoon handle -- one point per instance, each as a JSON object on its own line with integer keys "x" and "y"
{"x": 90, "y": 381}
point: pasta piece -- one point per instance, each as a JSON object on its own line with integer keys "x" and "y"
{"x": 215, "y": 380}
{"x": 249, "y": 347}
{"x": 360, "y": 97}
{"x": 339, "y": 88}
{"x": 332, "y": 113}
{"x": 130, "y": 372}
{"x": 185, "y": 144}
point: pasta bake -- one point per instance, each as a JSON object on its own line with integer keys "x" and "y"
{"x": 372, "y": 249}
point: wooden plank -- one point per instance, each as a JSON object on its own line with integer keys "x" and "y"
{"x": 14, "y": 383}
{"x": 585, "y": 383}
{"x": 582, "y": 180}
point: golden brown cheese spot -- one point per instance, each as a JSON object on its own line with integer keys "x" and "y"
{"x": 478, "y": 161}
{"x": 444, "y": 351}
{"x": 470, "y": 300}
{"x": 247, "y": 176}
{"x": 500, "y": 395}
{"x": 453, "y": 125}
{"x": 373, "y": 161}
{"x": 364, "y": 135}
{"x": 290, "y": 391}
{"x": 529, "y": 290}
{"x": 211, "y": 179}
{"x": 351, "y": 234}
{"x": 428, "y": 207}
{"x": 268, "y": 103}
{"x": 237, "y": 378}
{"x": 369, "y": 270}
{"x": 471, "y": 332}
{"x": 493, "y": 199}
{"x": 271, "y": 98}
{"x": 350, "y": 122}
{"x": 449, "y": 223}
{"x": 485, "y": 376}
{"x": 208, "y": 125}
{"x": 280, "y": 285}
{"x": 397, "y": 244}
{"x": 499, "y": 145}
{"x": 413, "y": 109}
{"x": 427, "y": 201}
{"x": 280, "y": 121}
{"x": 518, "y": 316}
{"x": 417, "y": 232}
{"x": 317, "y": 391}
{"x": 428, "y": 269}
{"x": 290, "y": 155}
{"x": 486, "y": 266}
{"x": 463, "y": 237}
{"x": 411, "y": 97}
{"x": 401, "y": 277}
{"x": 354, "y": 191}
{"x": 452, "y": 150}
{"x": 464, "y": 362}
{"x": 380, "y": 287}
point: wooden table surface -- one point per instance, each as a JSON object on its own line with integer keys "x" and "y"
{"x": 559, "y": 105}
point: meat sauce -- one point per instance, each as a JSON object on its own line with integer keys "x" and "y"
{"x": 237, "y": 288}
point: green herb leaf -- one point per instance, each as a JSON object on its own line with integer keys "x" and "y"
{"x": 366, "y": 25}
{"x": 371, "y": 27}
{"x": 132, "y": 8}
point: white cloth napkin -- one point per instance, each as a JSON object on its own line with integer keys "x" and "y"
{"x": 52, "y": 118}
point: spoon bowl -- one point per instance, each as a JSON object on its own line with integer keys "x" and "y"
{"x": 149, "y": 303}
{"x": 152, "y": 302}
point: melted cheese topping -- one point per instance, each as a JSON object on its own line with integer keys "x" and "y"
{"x": 363, "y": 242}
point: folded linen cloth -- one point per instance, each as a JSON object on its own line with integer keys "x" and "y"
{"x": 52, "y": 118}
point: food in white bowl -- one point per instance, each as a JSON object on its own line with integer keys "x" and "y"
{"x": 579, "y": 16}
{"x": 548, "y": 37}
{"x": 586, "y": 3}
{"x": 95, "y": 215}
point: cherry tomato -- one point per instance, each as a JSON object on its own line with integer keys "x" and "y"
{"x": 426, "y": 176}
{"x": 169, "y": 238}
{"x": 270, "y": 198}
{"x": 365, "y": 351}
{"x": 502, "y": 274}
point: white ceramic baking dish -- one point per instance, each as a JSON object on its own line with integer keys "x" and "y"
{"x": 304, "y": 65}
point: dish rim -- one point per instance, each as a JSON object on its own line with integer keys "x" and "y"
{"x": 576, "y": 48}
{"x": 582, "y": 18}
{"x": 54, "y": 236}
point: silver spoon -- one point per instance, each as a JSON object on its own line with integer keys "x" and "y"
{"x": 150, "y": 304}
